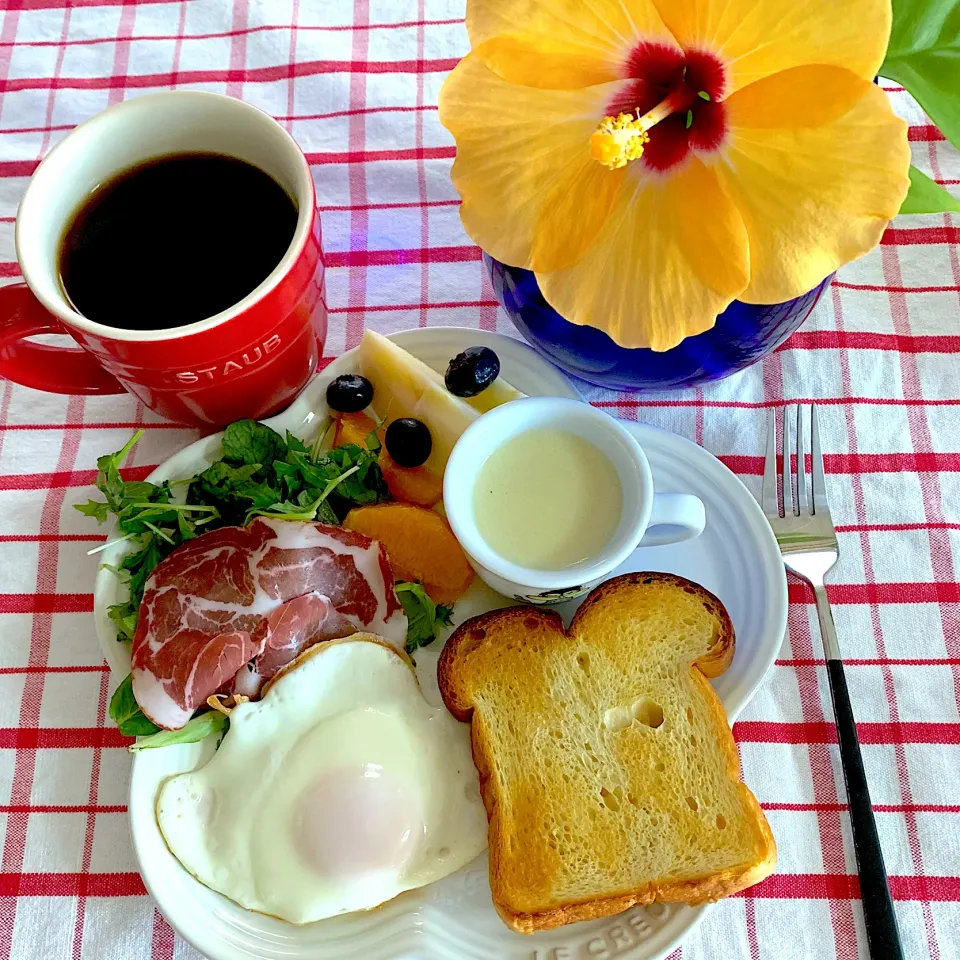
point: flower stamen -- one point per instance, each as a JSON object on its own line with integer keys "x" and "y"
{"x": 618, "y": 140}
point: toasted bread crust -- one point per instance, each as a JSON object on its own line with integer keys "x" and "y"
{"x": 472, "y": 635}
{"x": 720, "y": 656}
{"x": 468, "y": 636}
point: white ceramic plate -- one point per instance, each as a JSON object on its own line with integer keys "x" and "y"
{"x": 736, "y": 558}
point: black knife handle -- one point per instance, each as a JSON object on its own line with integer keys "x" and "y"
{"x": 883, "y": 936}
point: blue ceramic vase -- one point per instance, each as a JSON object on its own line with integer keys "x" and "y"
{"x": 743, "y": 334}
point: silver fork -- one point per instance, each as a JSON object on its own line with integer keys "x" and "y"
{"x": 808, "y": 544}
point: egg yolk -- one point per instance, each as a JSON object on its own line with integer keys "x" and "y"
{"x": 358, "y": 819}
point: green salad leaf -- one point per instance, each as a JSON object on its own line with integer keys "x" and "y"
{"x": 295, "y": 444}
{"x": 424, "y": 617}
{"x": 372, "y": 440}
{"x": 250, "y": 442}
{"x": 203, "y": 725}
{"x": 124, "y": 618}
{"x": 125, "y": 712}
{"x": 134, "y": 569}
{"x": 232, "y": 490}
{"x": 260, "y": 474}
{"x": 367, "y": 486}
{"x": 146, "y": 518}
{"x": 264, "y": 474}
{"x": 306, "y": 507}
{"x": 94, "y": 508}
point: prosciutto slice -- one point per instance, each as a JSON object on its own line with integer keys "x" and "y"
{"x": 291, "y": 628}
{"x": 227, "y": 610}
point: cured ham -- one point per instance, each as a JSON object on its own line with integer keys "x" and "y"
{"x": 291, "y": 628}
{"x": 225, "y": 611}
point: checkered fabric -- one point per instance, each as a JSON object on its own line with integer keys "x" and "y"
{"x": 356, "y": 83}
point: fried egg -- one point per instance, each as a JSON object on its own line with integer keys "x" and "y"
{"x": 337, "y": 791}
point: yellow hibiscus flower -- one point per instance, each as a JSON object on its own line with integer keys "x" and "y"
{"x": 653, "y": 160}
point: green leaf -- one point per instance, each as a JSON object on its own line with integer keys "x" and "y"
{"x": 124, "y": 618}
{"x": 93, "y": 508}
{"x": 325, "y": 514}
{"x": 109, "y": 481}
{"x": 108, "y": 467}
{"x": 138, "y": 567}
{"x": 303, "y": 508}
{"x": 125, "y": 712}
{"x": 924, "y": 57}
{"x": 296, "y": 444}
{"x": 227, "y": 476}
{"x": 353, "y": 467}
{"x": 423, "y": 615}
{"x": 197, "y": 728}
{"x": 251, "y": 442}
{"x": 372, "y": 440}
{"x": 186, "y": 529}
{"x": 233, "y": 490}
{"x": 288, "y": 474}
{"x": 328, "y": 426}
{"x": 287, "y": 510}
{"x": 119, "y": 494}
{"x": 444, "y": 614}
{"x": 367, "y": 484}
{"x": 927, "y": 196}
{"x": 261, "y": 473}
{"x": 139, "y": 490}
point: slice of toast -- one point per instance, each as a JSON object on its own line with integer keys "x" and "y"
{"x": 607, "y": 766}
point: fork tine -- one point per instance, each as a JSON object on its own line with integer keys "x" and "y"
{"x": 786, "y": 472}
{"x": 801, "y": 501}
{"x": 770, "y": 501}
{"x": 820, "y": 504}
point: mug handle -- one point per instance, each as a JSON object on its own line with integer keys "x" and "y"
{"x": 674, "y": 517}
{"x": 44, "y": 367}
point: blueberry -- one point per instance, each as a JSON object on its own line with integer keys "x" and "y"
{"x": 349, "y": 393}
{"x": 408, "y": 442}
{"x": 472, "y": 371}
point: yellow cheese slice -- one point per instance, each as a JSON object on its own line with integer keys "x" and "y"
{"x": 497, "y": 393}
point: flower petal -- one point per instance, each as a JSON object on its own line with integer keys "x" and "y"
{"x": 757, "y": 38}
{"x": 671, "y": 255}
{"x": 514, "y": 144}
{"x": 812, "y": 197}
{"x": 535, "y": 61}
{"x": 600, "y": 24}
{"x": 562, "y": 44}
{"x": 811, "y": 96}
{"x": 572, "y": 211}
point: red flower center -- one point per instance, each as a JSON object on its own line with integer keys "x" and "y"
{"x": 697, "y": 124}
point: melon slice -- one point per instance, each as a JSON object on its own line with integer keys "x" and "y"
{"x": 404, "y": 386}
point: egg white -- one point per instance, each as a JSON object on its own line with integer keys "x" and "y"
{"x": 253, "y": 823}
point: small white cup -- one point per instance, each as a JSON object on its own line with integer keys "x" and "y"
{"x": 647, "y": 518}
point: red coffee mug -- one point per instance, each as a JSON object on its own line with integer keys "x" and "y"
{"x": 248, "y": 361}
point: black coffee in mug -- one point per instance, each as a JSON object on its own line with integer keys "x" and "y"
{"x": 174, "y": 240}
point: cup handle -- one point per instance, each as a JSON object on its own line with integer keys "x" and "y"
{"x": 41, "y": 366}
{"x": 674, "y": 517}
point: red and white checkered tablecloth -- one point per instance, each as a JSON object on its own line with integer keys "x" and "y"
{"x": 356, "y": 82}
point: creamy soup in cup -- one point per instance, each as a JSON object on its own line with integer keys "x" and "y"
{"x": 548, "y": 496}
